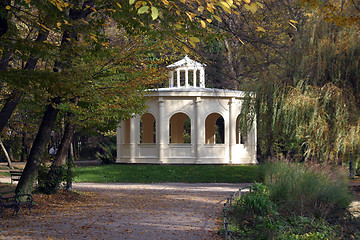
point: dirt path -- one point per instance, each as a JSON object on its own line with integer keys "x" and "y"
{"x": 125, "y": 211}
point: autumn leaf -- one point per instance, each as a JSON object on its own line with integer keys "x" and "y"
{"x": 154, "y": 13}
{"x": 143, "y": 9}
{"x": 252, "y": 7}
{"x": 260, "y": 29}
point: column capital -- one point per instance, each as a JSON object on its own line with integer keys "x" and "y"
{"x": 231, "y": 100}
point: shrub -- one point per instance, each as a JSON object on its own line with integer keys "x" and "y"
{"x": 306, "y": 190}
{"x": 252, "y": 210}
{"x": 51, "y": 183}
{"x": 107, "y": 152}
{"x": 47, "y": 184}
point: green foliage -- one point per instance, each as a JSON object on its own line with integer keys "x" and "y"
{"x": 255, "y": 203}
{"x": 51, "y": 183}
{"x": 296, "y": 202}
{"x": 107, "y": 152}
{"x": 308, "y": 190}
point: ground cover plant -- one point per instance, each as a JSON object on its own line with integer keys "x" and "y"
{"x": 167, "y": 173}
{"x": 295, "y": 202}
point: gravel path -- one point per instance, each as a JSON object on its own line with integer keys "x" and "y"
{"x": 130, "y": 211}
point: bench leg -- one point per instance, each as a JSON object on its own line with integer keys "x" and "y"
{"x": 16, "y": 209}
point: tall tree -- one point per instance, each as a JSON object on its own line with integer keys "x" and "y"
{"x": 81, "y": 26}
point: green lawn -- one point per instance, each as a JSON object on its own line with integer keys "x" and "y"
{"x": 4, "y": 174}
{"x": 168, "y": 173}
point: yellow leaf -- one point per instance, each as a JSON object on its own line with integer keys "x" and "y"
{"x": 154, "y": 13}
{"x": 58, "y": 24}
{"x": 192, "y": 43}
{"x": 293, "y": 21}
{"x": 94, "y": 38}
{"x": 195, "y": 39}
{"x": 27, "y": 1}
{"x": 217, "y": 18}
{"x": 190, "y": 15}
{"x": 44, "y": 27}
{"x": 241, "y": 41}
{"x": 260, "y": 29}
{"x": 252, "y": 7}
{"x": 143, "y": 9}
{"x": 201, "y": 9}
{"x": 7, "y": 7}
{"x": 165, "y": 2}
{"x": 210, "y": 7}
{"x": 225, "y": 6}
{"x": 247, "y": 1}
{"x": 119, "y": 5}
{"x": 260, "y": 4}
{"x": 203, "y": 24}
{"x": 209, "y": 20}
{"x": 230, "y": 2}
{"x": 292, "y": 25}
{"x": 131, "y": 2}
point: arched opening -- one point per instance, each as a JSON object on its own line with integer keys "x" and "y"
{"x": 180, "y": 128}
{"x": 127, "y": 131}
{"x": 241, "y": 135}
{"x": 147, "y": 128}
{"x": 214, "y": 129}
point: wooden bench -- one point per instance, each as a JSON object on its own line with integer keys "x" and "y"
{"x": 15, "y": 202}
{"x": 15, "y": 175}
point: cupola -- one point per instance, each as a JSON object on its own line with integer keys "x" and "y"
{"x": 187, "y": 73}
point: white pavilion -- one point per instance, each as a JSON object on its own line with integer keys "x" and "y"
{"x": 187, "y": 123}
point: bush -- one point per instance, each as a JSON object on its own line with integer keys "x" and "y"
{"x": 251, "y": 211}
{"x": 307, "y": 190}
{"x": 107, "y": 152}
{"x": 51, "y": 183}
{"x": 296, "y": 202}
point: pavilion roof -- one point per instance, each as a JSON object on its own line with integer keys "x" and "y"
{"x": 186, "y": 61}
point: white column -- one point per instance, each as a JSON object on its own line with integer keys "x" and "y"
{"x": 171, "y": 79}
{"x": 202, "y": 78}
{"x": 200, "y": 130}
{"x": 232, "y": 130}
{"x": 178, "y": 78}
{"x": 252, "y": 141}
{"x": 194, "y": 74}
{"x": 132, "y": 139}
{"x": 119, "y": 142}
{"x": 186, "y": 77}
{"x": 161, "y": 124}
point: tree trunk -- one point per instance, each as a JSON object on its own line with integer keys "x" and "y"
{"x": 6, "y": 155}
{"x": 9, "y": 108}
{"x": 66, "y": 140}
{"x": 24, "y": 148}
{"x": 37, "y": 152}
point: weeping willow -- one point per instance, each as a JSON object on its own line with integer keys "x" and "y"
{"x": 322, "y": 120}
{"x": 308, "y": 100}
{"x": 321, "y": 109}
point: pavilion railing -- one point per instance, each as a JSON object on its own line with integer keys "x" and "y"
{"x": 229, "y": 201}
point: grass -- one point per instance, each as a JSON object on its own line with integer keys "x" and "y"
{"x": 5, "y": 174}
{"x": 168, "y": 173}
